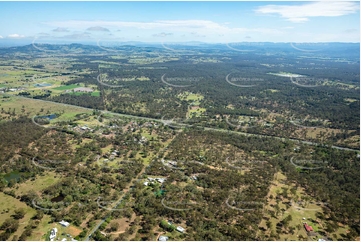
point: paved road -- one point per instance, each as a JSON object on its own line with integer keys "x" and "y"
{"x": 279, "y": 138}
{"x": 186, "y": 125}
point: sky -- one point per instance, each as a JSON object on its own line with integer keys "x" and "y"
{"x": 169, "y": 22}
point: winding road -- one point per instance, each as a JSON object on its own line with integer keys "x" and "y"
{"x": 187, "y": 125}
{"x": 184, "y": 125}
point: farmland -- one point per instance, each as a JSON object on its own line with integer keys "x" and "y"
{"x": 131, "y": 143}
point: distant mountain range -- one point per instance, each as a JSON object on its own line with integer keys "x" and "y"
{"x": 21, "y": 42}
{"x": 334, "y": 50}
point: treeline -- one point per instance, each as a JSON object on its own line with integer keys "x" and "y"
{"x": 146, "y": 98}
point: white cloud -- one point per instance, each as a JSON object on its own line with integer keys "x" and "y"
{"x": 162, "y": 34}
{"x": 97, "y": 28}
{"x": 1, "y": 37}
{"x": 204, "y": 26}
{"x": 16, "y": 36}
{"x": 195, "y": 34}
{"x": 84, "y": 35}
{"x": 43, "y": 34}
{"x": 60, "y": 30}
{"x": 140, "y": 25}
{"x": 302, "y": 13}
{"x": 350, "y": 31}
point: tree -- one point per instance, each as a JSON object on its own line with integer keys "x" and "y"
{"x": 19, "y": 213}
{"x": 83, "y": 234}
{"x": 10, "y": 225}
{"x": 114, "y": 226}
{"x": 39, "y": 215}
{"x": 4, "y": 236}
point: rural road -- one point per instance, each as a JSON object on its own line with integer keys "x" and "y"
{"x": 121, "y": 198}
{"x": 116, "y": 204}
{"x": 186, "y": 125}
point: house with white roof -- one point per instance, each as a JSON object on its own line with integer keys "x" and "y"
{"x": 64, "y": 223}
{"x": 53, "y": 233}
{"x": 163, "y": 238}
{"x": 180, "y": 229}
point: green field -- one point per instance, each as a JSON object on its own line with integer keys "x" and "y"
{"x": 67, "y": 87}
{"x": 8, "y": 205}
{"x": 196, "y": 112}
{"x": 94, "y": 94}
{"x": 188, "y": 96}
{"x": 38, "y": 184}
{"x": 33, "y": 107}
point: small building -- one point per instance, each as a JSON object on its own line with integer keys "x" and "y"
{"x": 161, "y": 180}
{"x": 64, "y": 223}
{"x": 180, "y": 229}
{"x": 85, "y": 128}
{"x": 53, "y": 233}
{"x": 308, "y": 227}
{"x": 163, "y": 238}
{"x": 145, "y": 183}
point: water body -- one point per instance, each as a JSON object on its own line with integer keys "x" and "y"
{"x": 14, "y": 175}
{"x": 42, "y": 85}
{"x": 50, "y": 116}
{"x": 58, "y": 198}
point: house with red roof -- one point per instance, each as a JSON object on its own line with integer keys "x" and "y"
{"x": 308, "y": 227}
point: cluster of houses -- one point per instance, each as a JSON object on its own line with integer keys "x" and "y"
{"x": 165, "y": 238}
{"x": 133, "y": 125}
{"x": 4, "y": 89}
{"x": 309, "y": 230}
{"x": 85, "y": 128}
{"x": 111, "y": 155}
{"x": 170, "y": 163}
{"x": 152, "y": 180}
{"x": 82, "y": 129}
{"x": 54, "y": 231}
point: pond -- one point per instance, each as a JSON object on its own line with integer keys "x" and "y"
{"x": 42, "y": 85}
{"x": 58, "y": 198}
{"x": 50, "y": 116}
{"x": 12, "y": 175}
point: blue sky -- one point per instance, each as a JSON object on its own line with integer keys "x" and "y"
{"x": 212, "y": 22}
